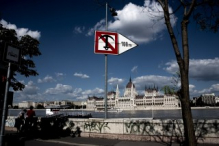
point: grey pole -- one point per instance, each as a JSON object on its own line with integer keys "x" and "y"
{"x": 152, "y": 108}
{"x": 5, "y": 106}
{"x": 106, "y": 72}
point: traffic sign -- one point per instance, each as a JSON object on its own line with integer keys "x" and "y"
{"x": 12, "y": 54}
{"x": 111, "y": 43}
{"x": 125, "y": 44}
{"x": 106, "y": 43}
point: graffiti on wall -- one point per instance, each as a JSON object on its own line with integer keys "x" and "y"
{"x": 156, "y": 129}
{"x": 96, "y": 126}
{"x": 171, "y": 128}
{"x": 138, "y": 127}
{"x": 10, "y": 121}
{"x": 168, "y": 127}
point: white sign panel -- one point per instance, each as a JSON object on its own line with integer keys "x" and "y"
{"x": 12, "y": 54}
{"x": 125, "y": 44}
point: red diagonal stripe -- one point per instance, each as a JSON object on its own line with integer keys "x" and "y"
{"x": 111, "y": 47}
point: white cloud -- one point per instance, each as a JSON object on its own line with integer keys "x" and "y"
{"x": 21, "y": 31}
{"x": 60, "y": 76}
{"x": 96, "y": 91}
{"x": 204, "y": 69}
{"x": 213, "y": 89}
{"x": 46, "y": 79}
{"x": 29, "y": 93}
{"x": 115, "y": 81}
{"x": 151, "y": 81}
{"x": 199, "y": 69}
{"x": 76, "y": 92}
{"x": 30, "y": 88}
{"x": 78, "y": 29}
{"x": 172, "y": 67}
{"x": 98, "y": 26}
{"x": 134, "y": 69}
{"x": 141, "y": 24}
{"x": 79, "y": 94}
{"x": 191, "y": 87}
{"x": 59, "y": 89}
{"x": 83, "y": 76}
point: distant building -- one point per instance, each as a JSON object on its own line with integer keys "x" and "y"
{"x": 66, "y": 102}
{"x": 25, "y": 104}
{"x": 48, "y": 104}
{"x": 131, "y": 99}
{"x": 194, "y": 101}
{"x": 207, "y": 99}
{"x": 216, "y": 100}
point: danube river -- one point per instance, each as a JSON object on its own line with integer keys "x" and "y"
{"x": 206, "y": 113}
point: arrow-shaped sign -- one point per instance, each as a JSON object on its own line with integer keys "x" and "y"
{"x": 111, "y": 43}
{"x": 125, "y": 44}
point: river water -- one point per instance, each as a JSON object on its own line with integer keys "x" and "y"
{"x": 208, "y": 113}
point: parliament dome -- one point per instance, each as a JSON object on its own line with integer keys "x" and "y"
{"x": 129, "y": 85}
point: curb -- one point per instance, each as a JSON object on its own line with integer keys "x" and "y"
{"x": 67, "y": 143}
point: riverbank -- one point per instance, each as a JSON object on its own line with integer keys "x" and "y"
{"x": 148, "y": 109}
{"x": 197, "y": 112}
{"x": 91, "y": 141}
{"x": 141, "y": 129}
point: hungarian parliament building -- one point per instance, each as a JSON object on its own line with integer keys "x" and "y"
{"x": 132, "y": 101}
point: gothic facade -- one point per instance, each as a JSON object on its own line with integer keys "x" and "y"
{"x": 131, "y": 100}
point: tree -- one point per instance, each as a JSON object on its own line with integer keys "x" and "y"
{"x": 205, "y": 13}
{"x": 40, "y": 106}
{"x": 30, "y": 48}
{"x": 173, "y": 90}
{"x": 168, "y": 90}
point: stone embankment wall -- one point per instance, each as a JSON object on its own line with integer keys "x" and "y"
{"x": 165, "y": 131}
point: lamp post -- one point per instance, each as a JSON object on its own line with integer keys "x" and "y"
{"x": 82, "y": 103}
{"x": 113, "y": 13}
{"x": 152, "y": 108}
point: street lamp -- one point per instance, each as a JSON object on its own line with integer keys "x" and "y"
{"x": 113, "y": 13}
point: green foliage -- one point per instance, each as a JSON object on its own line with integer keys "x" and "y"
{"x": 29, "y": 47}
{"x": 168, "y": 90}
{"x": 39, "y": 106}
{"x": 207, "y": 16}
{"x": 15, "y": 107}
{"x": 174, "y": 90}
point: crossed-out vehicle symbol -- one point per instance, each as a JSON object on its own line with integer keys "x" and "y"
{"x": 106, "y": 42}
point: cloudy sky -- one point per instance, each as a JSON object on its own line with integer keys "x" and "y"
{"x": 70, "y": 70}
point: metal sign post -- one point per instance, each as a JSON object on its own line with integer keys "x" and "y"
{"x": 5, "y": 106}
{"x": 11, "y": 55}
{"x": 110, "y": 43}
{"x": 106, "y": 67}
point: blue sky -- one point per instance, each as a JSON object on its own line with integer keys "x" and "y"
{"x": 68, "y": 68}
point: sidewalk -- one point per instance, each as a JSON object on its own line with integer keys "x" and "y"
{"x": 86, "y": 141}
